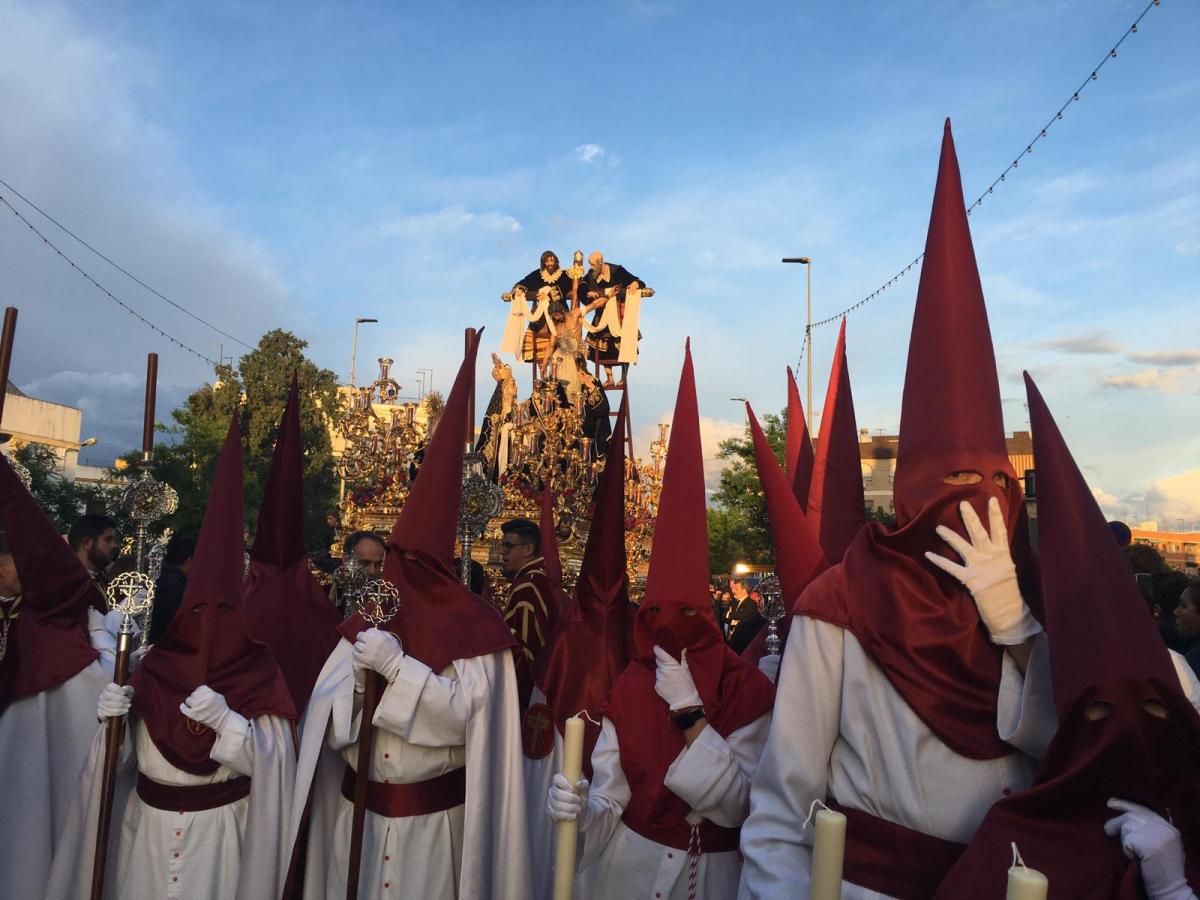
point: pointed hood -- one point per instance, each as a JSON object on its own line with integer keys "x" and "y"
{"x": 549, "y": 540}
{"x": 836, "y": 503}
{"x": 1087, "y": 588}
{"x": 798, "y": 554}
{"x": 440, "y": 619}
{"x": 919, "y": 625}
{"x": 800, "y": 459}
{"x": 208, "y": 642}
{"x": 1125, "y": 727}
{"x": 286, "y": 608}
{"x": 677, "y": 615}
{"x": 593, "y": 642}
{"x": 47, "y": 624}
{"x": 279, "y": 537}
{"x": 951, "y": 418}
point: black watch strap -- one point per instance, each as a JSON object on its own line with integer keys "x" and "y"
{"x": 686, "y": 718}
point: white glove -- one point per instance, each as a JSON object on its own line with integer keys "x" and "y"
{"x": 769, "y": 666}
{"x": 378, "y": 650}
{"x": 565, "y": 803}
{"x": 112, "y": 621}
{"x": 1149, "y": 837}
{"x": 206, "y": 706}
{"x": 115, "y": 701}
{"x": 989, "y": 574}
{"x": 673, "y": 682}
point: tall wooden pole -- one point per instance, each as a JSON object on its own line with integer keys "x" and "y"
{"x": 6, "y": 345}
{"x": 148, "y": 412}
{"x": 468, "y": 340}
{"x": 372, "y": 688}
{"x": 114, "y": 732}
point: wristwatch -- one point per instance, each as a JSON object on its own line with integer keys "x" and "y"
{"x": 686, "y": 718}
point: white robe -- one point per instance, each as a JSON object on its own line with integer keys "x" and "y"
{"x": 712, "y": 776}
{"x": 841, "y": 729}
{"x": 44, "y": 742}
{"x": 426, "y": 725}
{"x": 233, "y": 852}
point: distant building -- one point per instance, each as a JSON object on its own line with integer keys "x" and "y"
{"x": 877, "y": 454}
{"x": 1178, "y": 548}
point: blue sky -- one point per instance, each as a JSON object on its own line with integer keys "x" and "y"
{"x": 298, "y": 165}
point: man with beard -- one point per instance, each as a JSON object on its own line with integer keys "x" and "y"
{"x": 548, "y": 282}
{"x": 609, "y": 280}
{"x": 93, "y": 537}
{"x": 907, "y": 702}
{"x": 685, "y": 722}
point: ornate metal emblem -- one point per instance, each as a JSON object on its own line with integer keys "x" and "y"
{"x": 349, "y": 580}
{"x": 773, "y": 610}
{"x": 132, "y": 593}
{"x": 380, "y": 601}
{"x": 147, "y": 500}
{"x": 482, "y": 500}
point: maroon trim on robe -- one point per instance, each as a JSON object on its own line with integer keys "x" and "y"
{"x": 183, "y": 798}
{"x": 891, "y": 859}
{"x": 416, "y": 798}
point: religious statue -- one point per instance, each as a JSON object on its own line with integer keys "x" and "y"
{"x": 616, "y": 320}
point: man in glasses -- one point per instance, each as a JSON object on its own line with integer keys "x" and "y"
{"x": 530, "y": 613}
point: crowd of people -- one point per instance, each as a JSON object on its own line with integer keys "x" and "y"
{"x": 947, "y": 690}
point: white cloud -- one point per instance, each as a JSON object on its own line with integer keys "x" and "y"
{"x": 446, "y": 221}
{"x": 712, "y": 433}
{"x": 1166, "y": 381}
{"x": 589, "y": 153}
{"x": 1087, "y": 343}
{"x": 1167, "y": 357}
{"x": 1176, "y": 499}
{"x": 1188, "y": 248}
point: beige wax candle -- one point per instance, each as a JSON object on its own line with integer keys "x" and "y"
{"x": 1026, "y": 884}
{"x": 568, "y": 832}
{"x": 829, "y": 847}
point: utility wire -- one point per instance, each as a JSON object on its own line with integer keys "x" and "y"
{"x": 125, "y": 306}
{"x": 120, "y": 268}
{"x": 1057, "y": 117}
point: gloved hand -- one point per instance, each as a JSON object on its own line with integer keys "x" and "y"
{"x": 378, "y": 650}
{"x": 206, "y": 706}
{"x": 769, "y": 666}
{"x": 1147, "y": 836}
{"x": 115, "y": 701}
{"x": 565, "y": 803}
{"x": 112, "y": 621}
{"x": 673, "y": 682}
{"x": 989, "y": 574}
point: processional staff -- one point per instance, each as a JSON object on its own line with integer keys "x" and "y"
{"x": 380, "y": 602}
{"x": 6, "y": 345}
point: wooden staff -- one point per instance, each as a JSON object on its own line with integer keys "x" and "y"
{"x": 372, "y": 688}
{"x": 114, "y": 733}
{"x": 568, "y": 832}
{"x": 148, "y": 412}
{"x": 6, "y": 345}
{"x": 468, "y": 339}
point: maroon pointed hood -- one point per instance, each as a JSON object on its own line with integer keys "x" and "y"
{"x": 1125, "y": 728}
{"x": 919, "y": 625}
{"x": 836, "y": 503}
{"x": 286, "y": 608}
{"x": 800, "y": 459}
{"x": 593, "y": 642}
{"x": 798, "y": 554}
{"x": 677, "y": 614}
{"x": 440, "y": 619}
{"x": 47, "y": 634}
{"x": 951, "y": 418}
{"x": 549, "y": 540}
{"x": 208, "y": 641}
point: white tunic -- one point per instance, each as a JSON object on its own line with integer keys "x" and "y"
{"x": 712, "y": 776}
{"x": 427, "y": 724}
{"x": 44, "y": 743}
{"x": 840, "y": 729}
{"x": 232, "y": 852}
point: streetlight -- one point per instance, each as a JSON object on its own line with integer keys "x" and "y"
{"x": 354, "y": 352}
{"x": 806, "y": 261}
{"x": 745, "y": 411}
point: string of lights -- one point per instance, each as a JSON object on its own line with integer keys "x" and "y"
{"x": 116, "y": 265}
{"x": 1002, "y": 177}
{"x": 96, "y": 284}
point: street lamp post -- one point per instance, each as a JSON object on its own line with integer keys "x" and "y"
{"x": 745, "y": 411}
{"x": 354, "y": 351}
{"x": 806, "y": 261}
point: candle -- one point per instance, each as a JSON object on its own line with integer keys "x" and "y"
{"x": 829, "y": 846}
{"x": 568, "y": 832}
{"x": 1026, "y": 884}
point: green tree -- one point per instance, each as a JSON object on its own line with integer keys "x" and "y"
{"x": 738, "y": 528}
{"x": 63, "y": 500}
{"x": 257, "y": 390}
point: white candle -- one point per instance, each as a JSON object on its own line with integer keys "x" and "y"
{"x": 829, "y": 846}
{"x": 1026, "y": 884}
{"x": 568, "y": 832}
